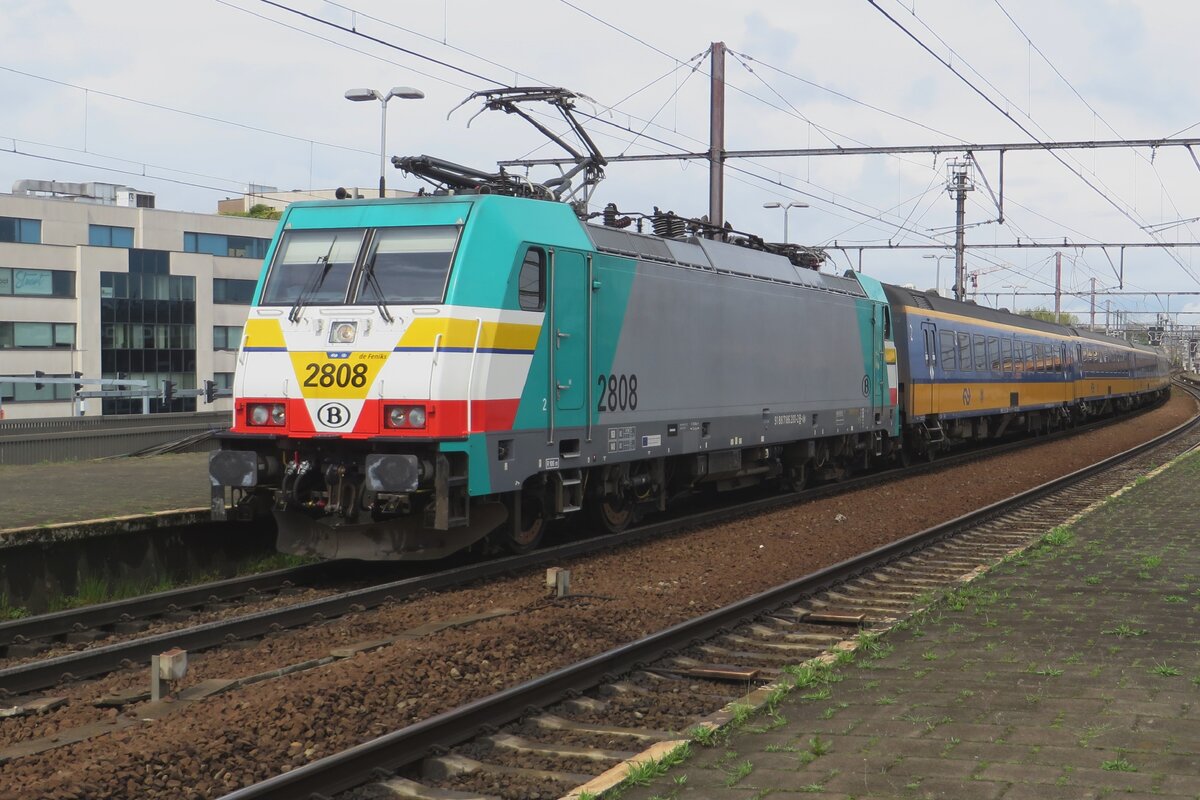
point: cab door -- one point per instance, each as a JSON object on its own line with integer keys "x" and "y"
{"x": 568, "y": 337}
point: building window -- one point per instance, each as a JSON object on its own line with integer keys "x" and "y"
{"x": 219, "y": 244}
{"x": 37, "y": 335}
{"x": 232, "y": 290}
{"x": 16, "y": 229}
{"x": 37, "y": 282}
{"x": 223, "y": 380}
{"x": 227, "y": 337}
{"x": 110, "y": 236}
{"x": 29, "y": 393}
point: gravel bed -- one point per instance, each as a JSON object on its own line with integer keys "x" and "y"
{"x": 235, "y": 739}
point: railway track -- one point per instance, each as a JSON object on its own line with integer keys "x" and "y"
{"x": 580, "y": 725}
{"x": 127, "y": 618}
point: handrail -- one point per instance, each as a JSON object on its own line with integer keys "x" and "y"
{"x": 471, "y": 375}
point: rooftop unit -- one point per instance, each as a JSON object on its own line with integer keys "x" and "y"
{"x": 108, "y": 194}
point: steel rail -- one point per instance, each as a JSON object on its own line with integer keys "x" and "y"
{"x": 101, "y": 615}
{"x": 39, "y": 675}
{"x": 345, "y": 770}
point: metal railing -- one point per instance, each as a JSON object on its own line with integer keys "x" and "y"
{"x": 32, "y": 441}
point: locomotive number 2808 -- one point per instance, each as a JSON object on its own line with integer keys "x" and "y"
{"x": 617, "y": 392}
{"x": 342, "y": 375}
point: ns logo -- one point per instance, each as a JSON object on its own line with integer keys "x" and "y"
{"x": 333, "y": 415}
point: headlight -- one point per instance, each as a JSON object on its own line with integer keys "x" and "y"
{"x": 342, "y": 332}
{"x": 278, "y": 414}
{"x": 404, "y": 416}
{"x": 259, "y": 415}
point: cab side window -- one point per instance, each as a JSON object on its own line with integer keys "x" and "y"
{"x": 531, "y": 291}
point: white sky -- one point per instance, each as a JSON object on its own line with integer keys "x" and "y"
{"x": 1130, "y": 72}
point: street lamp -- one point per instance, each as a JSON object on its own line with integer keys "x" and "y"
{"x": 362, "y": 95}
{"x": 937, "y": 280}
{"x": 786, "y": 207}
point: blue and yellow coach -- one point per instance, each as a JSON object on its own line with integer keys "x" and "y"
{"x": 969, "y": 372}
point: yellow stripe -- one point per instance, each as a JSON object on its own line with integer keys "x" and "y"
{"x": 889, "y": 354}
{"x": 460, "y": 333}
{"x": 952, "y": 398}
{"x": 264, "y": 333}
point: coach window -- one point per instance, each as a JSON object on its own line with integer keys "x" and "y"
{"x": 993, "y": 353}
{"x": 947, "y": 342}
{"x": 531, "y": 292}
{"x": 887, "y": 323}
{"x": 1006, "y": 355}
{"x": 964, "y": 352}
{"x": 980, "y": 354}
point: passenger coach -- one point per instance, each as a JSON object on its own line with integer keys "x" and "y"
{"x": 970, "y": 372}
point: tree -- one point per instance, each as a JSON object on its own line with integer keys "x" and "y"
{"x": 1045, "y": 315}
{"x": 258, "y": 211}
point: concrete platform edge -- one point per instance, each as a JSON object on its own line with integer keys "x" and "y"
{"x": 108, "y": 526}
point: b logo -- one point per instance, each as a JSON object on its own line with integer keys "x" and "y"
{"x": 333, "y": 415}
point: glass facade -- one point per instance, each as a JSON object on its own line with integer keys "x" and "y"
{"x": 219, "y": 244}
{"x": 110, "y": 236}
{"x": 232, "y": 290}
{"x": 148, "y": 329}
{"x": 18, "y": 229}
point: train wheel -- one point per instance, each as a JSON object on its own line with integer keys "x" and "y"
{"x": 611, "y": 505}
{"x": 523, "y": 532}
{"x": 795, "y": 477}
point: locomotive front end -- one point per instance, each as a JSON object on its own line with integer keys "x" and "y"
{"x": 344, "y": 425}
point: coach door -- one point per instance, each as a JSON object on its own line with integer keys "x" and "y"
{"x": 923, "y": 382}
{"x": 568, "y": 337}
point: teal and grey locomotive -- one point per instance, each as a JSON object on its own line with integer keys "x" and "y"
{"x": 419, "y": 373}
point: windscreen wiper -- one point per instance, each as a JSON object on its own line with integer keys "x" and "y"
{"x": 314, "y": 282}
{"x": 381, "y": 303}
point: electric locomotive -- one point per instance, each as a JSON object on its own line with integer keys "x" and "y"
{"x": 418, "y": 374}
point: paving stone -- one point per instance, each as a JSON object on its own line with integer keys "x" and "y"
{"x": 1136, "y": 782}
{"x": 1040, "y": 791}
{"x": 978, "y": 721}
{"x": 1020, "y": 773}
